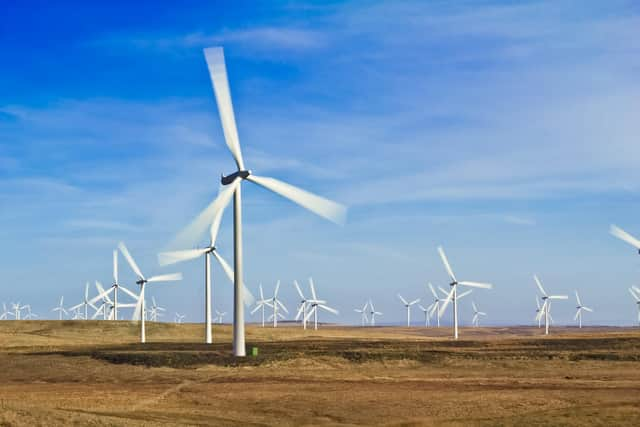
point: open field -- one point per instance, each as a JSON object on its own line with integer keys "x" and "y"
{"x": 94, "y": 373}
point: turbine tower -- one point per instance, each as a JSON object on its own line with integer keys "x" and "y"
{"x": 546, "y": 304}
{"x": 142, "y": 281}
{"x": 319, "y": 205}
{"x": 454, "y": 290}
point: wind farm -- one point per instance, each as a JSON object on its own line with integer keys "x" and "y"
{"x": 429, "y": 169}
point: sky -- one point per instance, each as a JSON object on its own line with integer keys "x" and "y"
{"x": 505, "y": 131}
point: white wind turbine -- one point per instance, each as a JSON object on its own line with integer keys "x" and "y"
{"x": 579, "y": 309}
{"x": 115, "y": 287}
{"x": 435, "y": 306}
{"x": 546, "y": 304}
{"x": 302, "y": 309}
{"x": 139, "y": 313}
{"x": 363, "y": 313}
{"x": 179, "y": 318}
{"x": 156, "y": 310}
{"x": 476, "y": 314}
{"x": 636, "y": 296}
{"x": 167, "y": 258}
{"x": 86, "y": 302}
{"x": 408, "y": 306}
{"x": 220, "y": 315}
{"x": 319, "y": 205}
{"x": 315, "y": 304}
{"x": 373, "y": 313}
{"x": 276, "y": 304}
{"x": 60, "y": 308}
{"x": 17, "y": 310}
{"x": 5, "y": 313}
{"x": 261, "y": 303}
{"x": 426, "y": 313}
{"x": 30, "y": 314}
{"x": 453, "y": 295}
{"x": 538, "y": 311}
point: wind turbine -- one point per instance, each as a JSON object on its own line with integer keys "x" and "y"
{"x": 316, "y": 303}
{"x": 426, "y": 313}
{"x": 538, "y": 311}
{"x": 156, "y": 310}
{"x": 220, "y": 316}
{"x": 408, "y": 306}
{"x": 60, "y": 308}
{"x": 261, "y": 303}
{"x": 435, "y": 306}
{"x": 636, "y": 296}
{"x": 476, "y": 315}
{"x": 373, "y": 313}
{"x": 115, "y": 287}
{"x": 579, "y": 308}
{"x": 142, "y": 281}
{"x": 363, "y": 313}
{"x": 454, "y": 291}
{"x": 5, "y": 314}
{"x": 86, "y": 302}
{"x": 302, "y": 310}
{"x": 546, "y": 304}
{"x": 319, "y": 205}
{"x": 275, "y": 303}
{"x": 179, "y": 318}
{"x": 30, "y": 314}
{"x": 167, "y": 258}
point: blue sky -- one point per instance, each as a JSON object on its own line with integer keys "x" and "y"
{"x": 505, "y": 131}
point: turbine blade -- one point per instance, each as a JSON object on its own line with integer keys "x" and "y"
{"x": 476, "y": 284}
{"x": 295, "y": 283}
{"x": 191, "y": 234}
{"x": 173, "y": 277}
{"x": 115, "y": 266}
{"x": 473, "y": 304}
{"x": 130, "y": 260}
{"x": 446, "y": 302}
{"x": 168, "y": 258}
{"x": 539, "y": 285}
{"x": 414, "y": 301}
{"x": 623, "y": 235}
{"x": 282, "y": 306}
{"x": 329, "y": 309}
{"x": 578, "y": 299}
{"x": 325, "y": 208}
{"x": 433, "y": 291}
{"x": 247, "y": 296}
{"x": 313, "y": 289}
{"x": 218, "y": 73}
{"x": 128, "y": 292}
{"x": 261, "y": 293}
{"x": 275, "y": 292}
{"x": 446, "y": 263}
{"x": 558, "y": 297}
{"x": 404, "y": 301}
{"x": 299, "y": 313}
{"x": 464, "y": 294}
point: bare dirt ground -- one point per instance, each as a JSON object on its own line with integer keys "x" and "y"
{"x": 94, "y": 373}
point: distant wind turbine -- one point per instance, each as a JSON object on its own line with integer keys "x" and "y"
{"x": 139, "y": 313}
{"x": 476, "y": 314}
{"x": 408, "y": 307}
{"x": 579, "y": 309}
{"x": 261, "y": 303}
{"x": 363, "y": 313}
{"x": 60, "y": 309}
{"x": 546, "y": 303}
{"x": 454, "y": 290}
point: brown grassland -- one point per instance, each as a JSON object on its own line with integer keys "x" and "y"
{"x": 94, "y": 373}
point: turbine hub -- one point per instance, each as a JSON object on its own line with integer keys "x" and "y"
{"x": 226, "y": 180}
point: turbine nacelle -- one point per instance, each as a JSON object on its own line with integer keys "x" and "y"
{"x": 226, "y": 180}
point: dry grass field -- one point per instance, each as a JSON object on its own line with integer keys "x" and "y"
{"x": 94, "y": 373}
